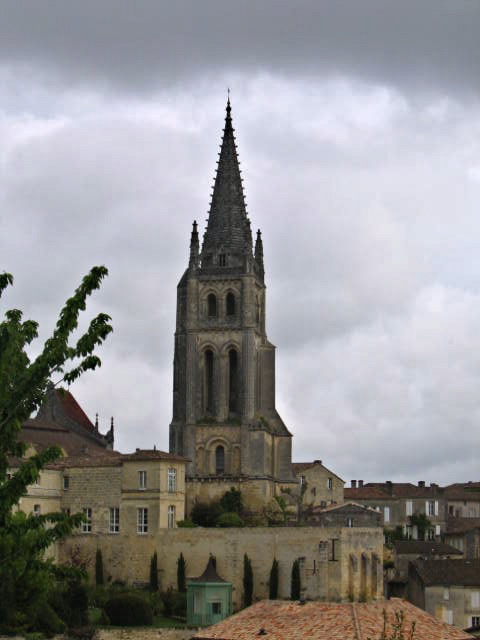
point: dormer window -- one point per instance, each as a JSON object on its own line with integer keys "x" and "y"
{"x": 222, "y": 260}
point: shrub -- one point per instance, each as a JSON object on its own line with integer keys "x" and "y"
{"x": 205, "y": 515}
{"x": 230, "y": 519}
{"x": 231, "y": 501}
{"x": 70, "y": 602}
{"x": 187, "y": 523}
{"x": 154, "y": 572}
{"x": 128, "y": 609}
{"x": 167, "y": 600}
{"x": 48, "y": 621}
{"x": 181, "y": 568}
{"x": 99, "y": 568}
{"x": 273, "y": 582}
{"x": 295, "y": 581}
{"x": 247, "y": 581}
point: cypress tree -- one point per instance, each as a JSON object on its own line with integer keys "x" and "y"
{"x": 273, "y": 582}
{"x": 247, "y": 581}
{"x": 295, "y": 583}
{"x": 154, "y": 572}
{"x": 98, "y": 568}
{"x": 181, "y": 566}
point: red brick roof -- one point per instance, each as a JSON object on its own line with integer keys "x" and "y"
{"x": 366, "y": 493}
{"x": 73, "y": 410}
{"x": 281, "y": 620}
{"x": 463, "y": 491}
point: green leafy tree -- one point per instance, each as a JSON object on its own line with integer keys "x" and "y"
{"x": 154, "y": 572}
{"x": 295, "y": 584}
{"x": 231, "y": 501}
{"x": 422, "y": 523}
{"x": 181, "y": 571}
{"x": 247, "y": 581}
{"x": 99, "y": 568}
{"x": 273, "y": 582}
{"x": 25, "y": 577}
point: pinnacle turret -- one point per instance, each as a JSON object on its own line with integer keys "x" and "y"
{"x": 194, "y": 247}
{"x": 228, "y": 238}
{"x": 259, "y": 254}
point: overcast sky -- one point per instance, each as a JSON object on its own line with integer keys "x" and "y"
{"x": 358, "y": 130}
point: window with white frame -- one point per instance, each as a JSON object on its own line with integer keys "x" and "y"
{"x": 475, "y": 599}
{"x": 142, "y": 520}
{"x": 349, "y": 523}
{"x": 114, "y": 520}
{"x": 172, "y": 480}
{"x": 446, "y": 593}
{"x": 142, "y": 479}
{"x": 409, "y": 507}
{"x": 66, "y": 483}
{"x": 431, "y": 507}
{"x": 302, "y": 480}
{"x": 87, "y": 522}
{"x": 171, "y": 516}
{"x": 37, "y": 510}
{"x": 386, "y": 514}
{"x": 329, "y": 484}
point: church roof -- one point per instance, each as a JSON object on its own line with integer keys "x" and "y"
{"x": 228, "y": 228}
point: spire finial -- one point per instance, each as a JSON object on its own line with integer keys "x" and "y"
{"x": 111, "y": 424}
{"x": 229, "y": 108}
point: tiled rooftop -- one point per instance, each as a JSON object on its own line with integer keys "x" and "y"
{"x": 283, "y": 620}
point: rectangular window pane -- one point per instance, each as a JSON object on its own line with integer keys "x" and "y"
{"x": 142, "y": 520}
{"x": 142, "y": 479}
{"x": 114, "y": 524}
{"x": 171, "y": 517}
{"x": 87, "y": 523}
{"x": 172, "y": 480}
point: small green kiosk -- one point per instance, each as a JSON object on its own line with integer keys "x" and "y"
{"x": 209, "y": 597}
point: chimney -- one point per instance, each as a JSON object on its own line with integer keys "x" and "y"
{"x": 389, "y": 484}
{"x": 421, "y": 483}
{"x": 360, "y": 484}
{"x": 353, "y": 484}
{"x": 317, "y": 462}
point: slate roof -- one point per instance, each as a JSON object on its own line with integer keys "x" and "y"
{"x": 425, "y": 548}
{"x": 449, "y": 572}
{"x": 210, "y": 574}
{"x": 284, "y": 620}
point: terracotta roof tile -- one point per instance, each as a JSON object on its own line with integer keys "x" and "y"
{"x": 282, "y": 620}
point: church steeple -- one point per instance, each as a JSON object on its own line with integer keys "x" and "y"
{"x": 228, "y": 237}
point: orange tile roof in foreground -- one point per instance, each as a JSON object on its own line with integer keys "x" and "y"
{"x": 283, "y": 620}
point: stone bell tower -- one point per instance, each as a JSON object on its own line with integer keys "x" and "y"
{"x": 224, "y": 416}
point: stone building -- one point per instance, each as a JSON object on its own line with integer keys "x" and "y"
{"x": 447, "y": 589}
{"x": 319, "y": 487}
{"x": 400, "y": 502}
{"x": 224, "y": 416}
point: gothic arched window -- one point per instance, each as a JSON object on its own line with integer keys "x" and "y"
{"x": 212, "y": 305}
{"x": 209, "y": 397}
{"x": 233, "y": 381}
{"x": 230, "y": 304}
{"x": 219, "y": 460}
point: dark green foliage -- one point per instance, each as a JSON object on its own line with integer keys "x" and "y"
{"x": 391, "y": 535}
{"x": 181, "y": 577}
{"x": 423, "y": 524}
{"x": 295, "y": 585}
{"x": 98, "y": 568}
{"x": 230, "y": 519}
{"x": 273, "y": 582}
{"x": 231, "y": 501}
{"x": 174, "y": 603}
{"x": 154, "y": 572}
{"x": 247, "y": 581}
{"x": 186, "y": 524}
{"x": 69, "y": 599}
{"x": 129, "y": 610}
{"x": 48, "y": 622}
{"x": 205, "y": 514}
{"x": 25, "y": 577}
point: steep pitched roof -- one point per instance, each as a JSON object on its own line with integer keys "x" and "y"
{"x": 449, "y": 572}
{"x": 228, "y": 227}
{"x": 282, "y": 620}
{"x": 210, "y": 574}
{"x": 300, "y": 467}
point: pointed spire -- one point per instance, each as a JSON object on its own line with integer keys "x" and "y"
{"x": 194, "y": 247}
{"x": 259, "y": 253}
{"x": 96, "y": 422}
{"x": 228, "y": 231}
